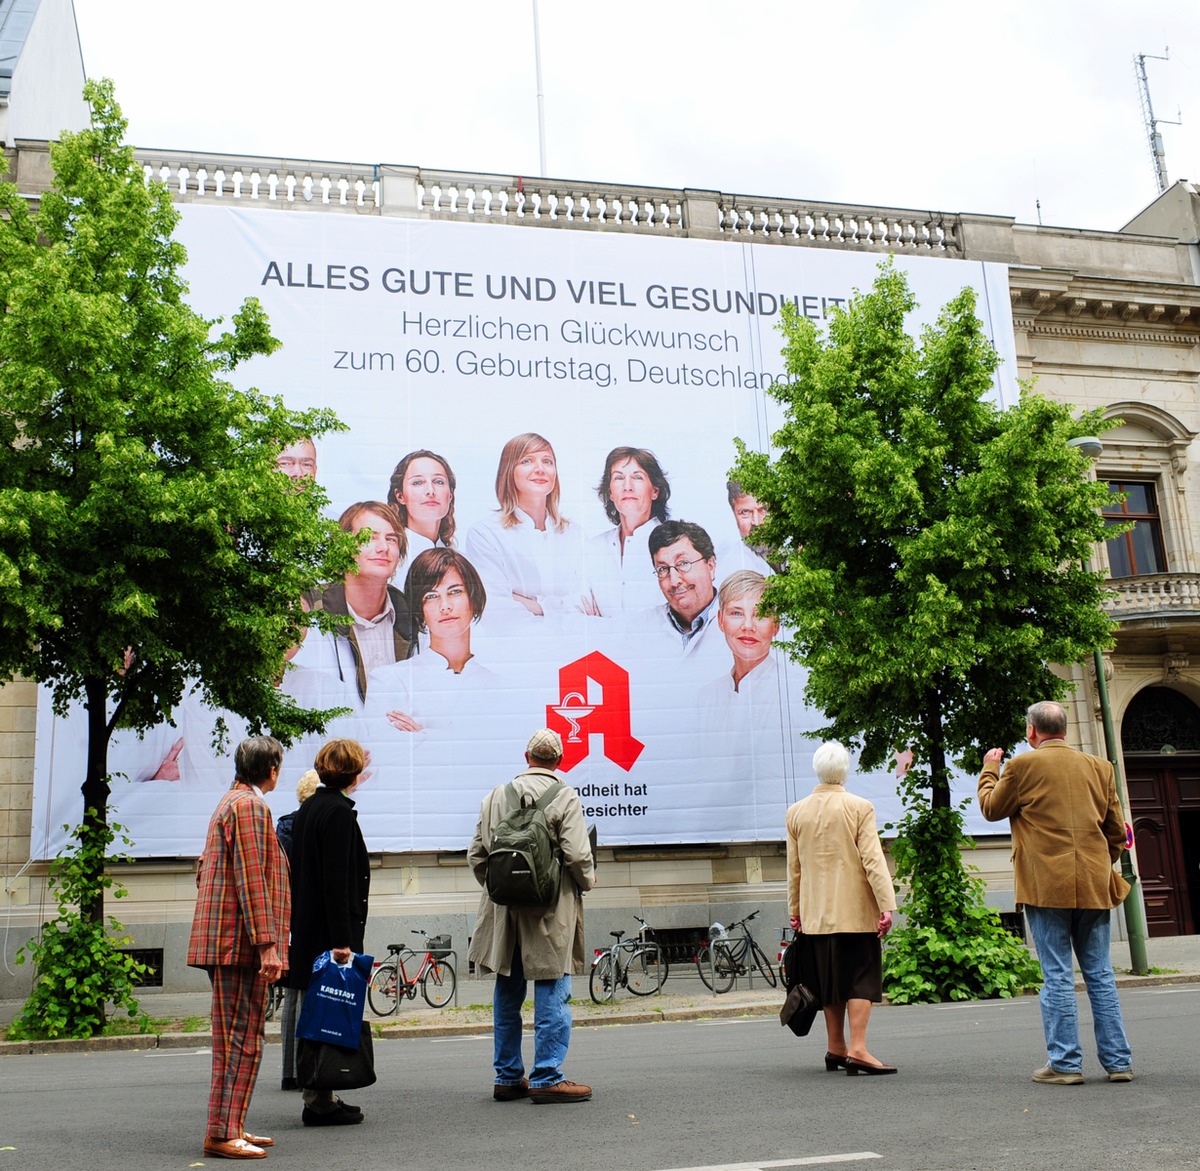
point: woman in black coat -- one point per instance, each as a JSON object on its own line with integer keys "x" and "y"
{"x": 331, "y": 879}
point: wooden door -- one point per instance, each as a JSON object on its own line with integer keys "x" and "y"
{"x": 1163, "y": 798}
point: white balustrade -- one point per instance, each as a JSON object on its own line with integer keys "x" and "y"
{"x": 454, "y": 195}
{"x": 875, "y": 229}
{"x": 1160, "y": 593}
{"x": 450, "y": 195}
{"x": 205, "y": 178}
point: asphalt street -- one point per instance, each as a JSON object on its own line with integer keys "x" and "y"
{"x": 718, "y": 1093}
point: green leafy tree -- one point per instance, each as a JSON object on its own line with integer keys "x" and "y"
{"x": 936, "y": 550}
{"x": 148, "y": 542}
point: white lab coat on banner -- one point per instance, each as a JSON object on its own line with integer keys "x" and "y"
{"x": 622, "y": 579}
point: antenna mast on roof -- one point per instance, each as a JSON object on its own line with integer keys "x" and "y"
{"x": 1157, "y": 154}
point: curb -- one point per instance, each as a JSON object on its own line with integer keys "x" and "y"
{"x": 144, "y": 1041}
{"x": 644, "y": 1016}
{"x": 1131, "y": 981}
{"x": 641, "y": 1016}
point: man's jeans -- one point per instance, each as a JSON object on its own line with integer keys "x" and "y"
{"x": 551, "y": 1027}
{"x": 1055, "y": 931}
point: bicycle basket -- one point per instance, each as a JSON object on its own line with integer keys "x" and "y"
{"x": 439, "y": 945}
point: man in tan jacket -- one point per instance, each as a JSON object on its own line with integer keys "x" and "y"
{"x": 1067, "y": 832}
{"x": 544, "y": 945}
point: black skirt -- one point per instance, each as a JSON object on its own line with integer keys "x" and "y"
{"x": 844, "y": 966}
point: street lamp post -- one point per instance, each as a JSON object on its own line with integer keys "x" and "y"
{"x": 1135, "y": 911}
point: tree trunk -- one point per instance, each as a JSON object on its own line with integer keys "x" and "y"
{"x": 939, "y": 776}
{"x": 95, "y": 794}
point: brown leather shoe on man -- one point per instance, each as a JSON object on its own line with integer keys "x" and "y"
{"x": 232, "y": 1148}
{"x": 507, "y": 1093}
{"x": 563, "y": 1091}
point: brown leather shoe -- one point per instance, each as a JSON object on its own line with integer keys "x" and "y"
{"x": 563, "y": 1091}
{"x": 505, "y": 1093}
{"x": 232, "y": 1148}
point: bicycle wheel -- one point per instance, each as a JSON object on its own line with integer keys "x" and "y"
{"x": 601, "y": 982}
{"x": 647, "y": 970}
{"x": 274, "y": 1001}
{"x": 721, "y": 967}
{"x": 382, "y": 993}
{"x": 437, "y": 986}
{"x": 763, "y": 964}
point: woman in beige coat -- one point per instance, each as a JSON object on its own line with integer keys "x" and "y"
{"x": 840, "y": 894}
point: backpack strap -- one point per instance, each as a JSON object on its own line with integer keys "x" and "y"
{"x": 546, "y": 797}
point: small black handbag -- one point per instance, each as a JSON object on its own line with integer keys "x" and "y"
{"x": 799, "y": 1010}
{"x": 802, "y": 1004}
{"x": 323, "y": 1066}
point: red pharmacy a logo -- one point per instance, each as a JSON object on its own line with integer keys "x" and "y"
{"x": 575, "y": 717}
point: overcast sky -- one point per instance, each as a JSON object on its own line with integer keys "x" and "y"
{"x": 927, "y": 104}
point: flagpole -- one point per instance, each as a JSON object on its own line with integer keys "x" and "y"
{"x": 541, "y": 107}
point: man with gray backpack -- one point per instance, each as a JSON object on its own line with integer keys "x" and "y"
{"x": 532, "y": 856}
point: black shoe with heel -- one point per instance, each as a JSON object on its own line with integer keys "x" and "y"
{"x": 854, "y": 1068}
{"x": 834, "y": 1062}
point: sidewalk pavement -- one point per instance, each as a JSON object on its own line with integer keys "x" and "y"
{"x": 1174, "y": 960}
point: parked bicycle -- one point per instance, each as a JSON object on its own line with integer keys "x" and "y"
{"x": 434, "y": 974}
{"x": 786, "y": 935}
{"x": 275, "y": 1001}
{"x": 725, "y": 957}
{"x": 637, "y": 964}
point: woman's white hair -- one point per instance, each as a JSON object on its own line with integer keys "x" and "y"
{"x": 831, "y": 763}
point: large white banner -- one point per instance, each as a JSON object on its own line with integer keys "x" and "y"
{"x": 569, "y": 395}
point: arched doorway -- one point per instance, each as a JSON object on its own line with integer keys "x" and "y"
{"x": 1160, "y": 742}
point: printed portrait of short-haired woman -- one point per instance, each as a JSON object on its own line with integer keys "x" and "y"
{"x": 634, "y": 491}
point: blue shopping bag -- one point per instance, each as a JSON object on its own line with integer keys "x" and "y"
{"x": 335, "y": 1000}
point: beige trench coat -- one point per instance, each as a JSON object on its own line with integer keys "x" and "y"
{"x": 552, "y": 940}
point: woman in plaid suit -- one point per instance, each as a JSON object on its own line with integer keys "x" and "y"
{"x": 239, "y": 935}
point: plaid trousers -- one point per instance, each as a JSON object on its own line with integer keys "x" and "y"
{"x": 239, "y": 1009}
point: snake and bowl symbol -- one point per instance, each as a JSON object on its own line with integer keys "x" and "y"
{"x": 573, "y": 713}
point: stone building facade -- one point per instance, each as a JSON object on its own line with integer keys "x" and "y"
{"x": 1102, "y": 319}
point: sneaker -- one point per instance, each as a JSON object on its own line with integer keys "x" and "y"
{"x": 1057, "y": 1077}
{"x": 563, "y": 1091}
{"x": 506, "y": 1093}
{"x": 1120, "y": 1075}
{"x": 335, "y": 1117}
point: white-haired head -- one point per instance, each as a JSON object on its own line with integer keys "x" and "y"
{"x": 308, "y": 784}
{"x": 831, "y": 762}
